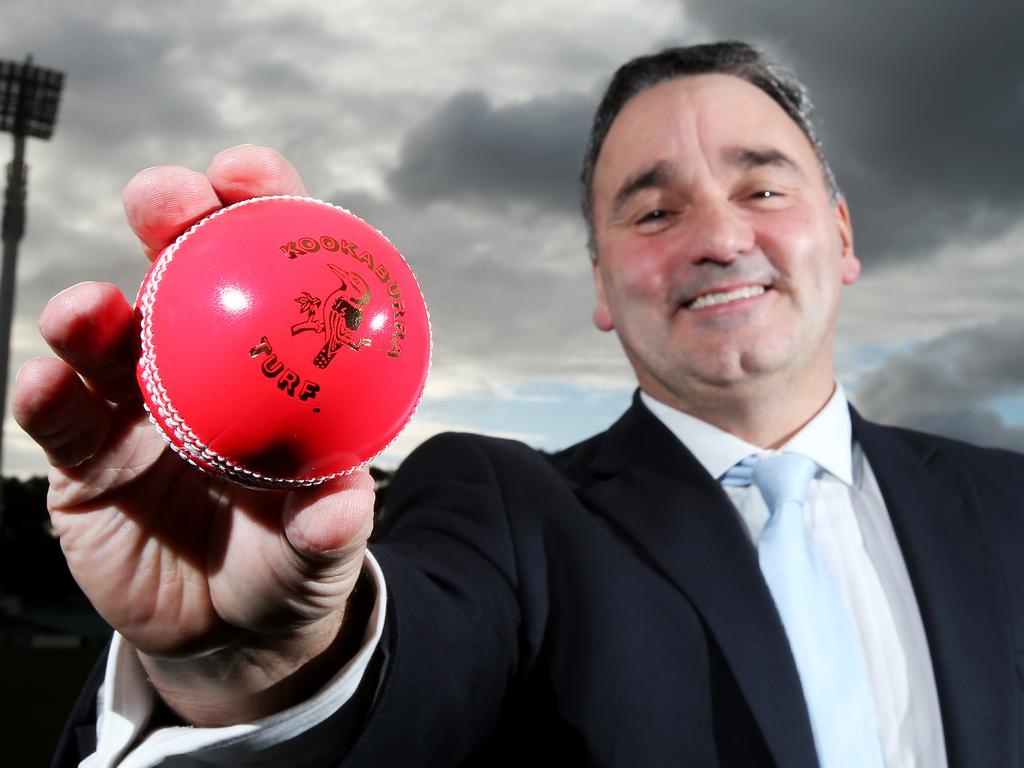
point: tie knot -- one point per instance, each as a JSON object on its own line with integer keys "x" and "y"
{"x": 784, "y": 477}
{"x": 741, "y": 473}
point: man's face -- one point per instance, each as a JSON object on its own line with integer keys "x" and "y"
{"x": 720, "y": 255}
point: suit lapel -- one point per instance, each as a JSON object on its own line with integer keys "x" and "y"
{"x": 655, "y": 492}
{"x": 950, "y": 557}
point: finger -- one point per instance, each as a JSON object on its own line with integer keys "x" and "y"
{"x": 164, "y": 201}
{"x": 250, "y": 171}
{"x": 90, "y": 326}
{"x": 132, "y": 448}
{"x": 268, "y": 582}
{"x": 67, "y": 419}
{"x": 331, "y": 522}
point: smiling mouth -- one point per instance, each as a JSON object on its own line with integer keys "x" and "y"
{"x": 724, "y": 297}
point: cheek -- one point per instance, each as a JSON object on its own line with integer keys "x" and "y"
{"x": 800, "y": 246}
{"x": 643, "y": 271}
{"x": 789, "y": 230}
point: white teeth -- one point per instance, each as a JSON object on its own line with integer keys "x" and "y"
{"x": 711, "y": 299}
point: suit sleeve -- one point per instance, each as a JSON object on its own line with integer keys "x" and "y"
{"x": 79, "y": 736}
{"x": 451, "y": 641}
{"x": 996, "y": 480}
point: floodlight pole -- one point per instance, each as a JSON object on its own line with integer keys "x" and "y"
{"x": 13, "y": 229}
{"x": 29, "y": 96}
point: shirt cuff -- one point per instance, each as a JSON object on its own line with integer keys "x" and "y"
{"x": 299, "y": 736}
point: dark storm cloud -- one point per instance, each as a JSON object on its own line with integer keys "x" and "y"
{"x": 946, "y": 385}
{"x": 921, "y": 104}
{"x": 162, "y": 83}
{"x": 469, "y": 150}
{"x": 120, "y": 77}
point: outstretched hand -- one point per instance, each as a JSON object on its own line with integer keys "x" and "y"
{"x": 233, "y": 597}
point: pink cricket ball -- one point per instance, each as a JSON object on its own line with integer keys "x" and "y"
{"x": 284, "y": 342}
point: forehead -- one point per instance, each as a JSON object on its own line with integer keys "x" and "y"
{"x": 695, "y": 120}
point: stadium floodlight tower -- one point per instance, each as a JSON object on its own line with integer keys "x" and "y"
{"x": 29, "y": 96}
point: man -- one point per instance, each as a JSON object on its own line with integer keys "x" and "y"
{"x": 605, "y": 605}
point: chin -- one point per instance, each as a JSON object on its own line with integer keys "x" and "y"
{"x": 725, "y": 374}
{"x": 739, "y": 370}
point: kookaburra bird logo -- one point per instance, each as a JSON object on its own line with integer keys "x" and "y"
{"x": 338, "y": 317}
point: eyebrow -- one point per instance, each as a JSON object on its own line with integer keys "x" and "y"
{"x": 748, "y": 158}
{"x": 657, "y": 175}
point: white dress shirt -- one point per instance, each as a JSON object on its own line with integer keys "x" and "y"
{"x": 847, "y": 519}
{"x": 849, "y": 523}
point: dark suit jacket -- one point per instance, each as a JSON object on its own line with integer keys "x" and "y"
{"x": 604, "y": 606}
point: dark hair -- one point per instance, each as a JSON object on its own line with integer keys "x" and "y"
{"x": 729, "y": 57}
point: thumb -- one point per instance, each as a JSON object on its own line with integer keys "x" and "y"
{"x": 328, "y": 525}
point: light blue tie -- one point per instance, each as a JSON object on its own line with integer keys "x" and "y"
{"x": 822, "y": 637}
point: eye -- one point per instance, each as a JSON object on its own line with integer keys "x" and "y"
{"x": 655, "y": 215}
{"x": 767, "y": 198}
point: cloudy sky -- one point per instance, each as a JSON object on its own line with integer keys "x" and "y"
{"x": 456, "y": 127}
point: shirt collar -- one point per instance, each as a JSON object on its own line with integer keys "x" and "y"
{"x": 826, "y": 438}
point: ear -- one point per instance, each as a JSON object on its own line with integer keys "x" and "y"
{"x": 602, "y": 314}
{"x": 850, "y": 269}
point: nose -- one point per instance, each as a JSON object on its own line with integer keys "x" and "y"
{"x": 718, "y": 232}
